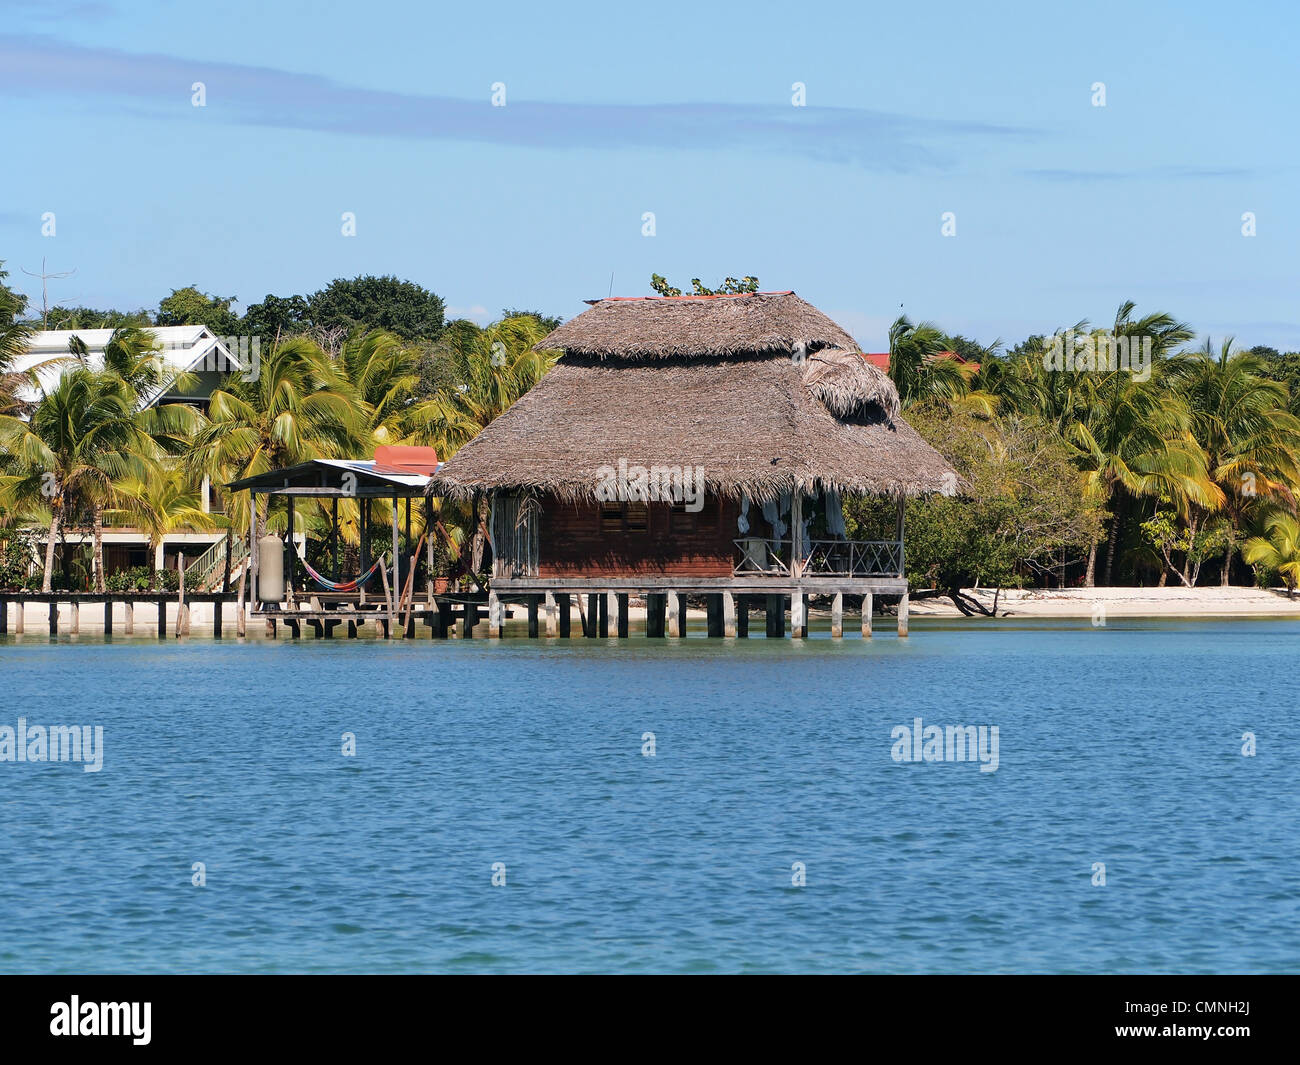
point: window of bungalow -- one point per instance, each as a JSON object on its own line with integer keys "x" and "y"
{"x": 611, "y": 517}
{"x": 637, "y": 516}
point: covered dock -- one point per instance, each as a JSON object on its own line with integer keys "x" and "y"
{"x": 383, "y": 592}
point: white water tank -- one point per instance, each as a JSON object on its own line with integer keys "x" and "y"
{"x": 270, "y": 569}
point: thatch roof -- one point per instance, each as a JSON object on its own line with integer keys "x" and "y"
{"x": 698, "y": 326}
{"x": 762, "y": 419}
{"x": 849, "y": 386}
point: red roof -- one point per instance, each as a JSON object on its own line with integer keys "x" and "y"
{"x": 405, "y": 458}
{"x": 880, "y": 359}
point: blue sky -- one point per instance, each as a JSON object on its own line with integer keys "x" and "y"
{"x": 383, "y": 109}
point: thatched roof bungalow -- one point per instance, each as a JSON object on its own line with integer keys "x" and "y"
{"x": 696, "y": 444}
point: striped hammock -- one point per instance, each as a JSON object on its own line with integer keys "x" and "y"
{"x": 342, "y": 586}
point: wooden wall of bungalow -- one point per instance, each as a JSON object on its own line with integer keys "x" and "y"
{"x": 558, "y": 538}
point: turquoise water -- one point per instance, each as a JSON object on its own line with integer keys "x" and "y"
{"x": 1119, "y": 745}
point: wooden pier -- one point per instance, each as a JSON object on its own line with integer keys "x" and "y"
{"x": 170, "y": 616}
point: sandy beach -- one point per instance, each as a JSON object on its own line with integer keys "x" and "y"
{"x": 1169, "y": 602}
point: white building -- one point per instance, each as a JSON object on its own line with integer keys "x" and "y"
{"x": 186, "y": 349}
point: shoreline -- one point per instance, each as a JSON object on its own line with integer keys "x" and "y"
{"x": 1097, "y": 604}
{"x": 1167, "y": 603}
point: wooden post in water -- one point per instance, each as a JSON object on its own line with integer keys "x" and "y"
{"x": 742, "y": 616}
{"x": 240, "y": 616}
{"x": 656, "y": 608}
{"x": 108, "y": 619}
{"x": 867, "y": 606}
{"x": 4, "y": 616}
{"x": 216, "y": 619}
{"x": 837, "y": 616}
{"x": 496, "y": 623}
{"x": 676, "y": 615}
{"x": 180, "y": 594}
{"x": 54, "y": 618}
{"x": 713, "y": 614}
{"x": 902, "y": 615}
{"x": 128, "y": 617}
{"x": 798, "y": 616}
{"x": 388, "y": 598}
{"x": 728, "y": 614}
{"x": 566, "y": 620}
{"x": 20, "y": 617}
{"x": 532, "y": 617}
{"x": 552, "y": 615}
{"x": 775, "y": 616}
{"x": 622, "y": 598}
{"x": 74, "y": 613}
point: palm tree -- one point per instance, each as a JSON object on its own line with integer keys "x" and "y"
{"x": 916, "y": 368}
{"x": 300, "y": 407}
{"x": 487, "y": 370}
{"x": 1130, "y": 434}
{"x": 1278, "y": 549}
{"x": 13, "y": 341}
{"x": 159, "y": 504}
{"x": 1240, "y": 420}
{"x": 81, "y": 438}
{"x": 385, "y": 374}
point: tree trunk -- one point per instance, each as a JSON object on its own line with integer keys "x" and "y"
{"x": 1090, "y": 577}
{"x": 98, "y": 562}
{"x": 1227, "y": 564}
{"x": 1111, "y": 539}
{"x": 48, "y": 577}
{"x": 230, "y": 543}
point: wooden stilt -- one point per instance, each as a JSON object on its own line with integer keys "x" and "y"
{"x": 676, "y": 615}
{"x": 713, "y": 614}
{"x": 533, "y": 626}
{"x": 444, "y": 622}
{"x": 241, "y": 616}
{"x": 74, "y": 615}
{"x": 622, "y": 598}
{"x": 566, "y": 620}
{"x": 867, "y": 607}
{"x": 742, "y": 616}
{"x": 496, "y": 621}
{"x": 4, "y": 617}
{"x": 162, "y": 617}
{"x": 108, "y": 619}
{"x": 468, "y": 620}
{"x": 20, "y": 617}
{"x": 216, "y": 619}
{"x": 837, "y": 616}
{"x": 656, "y": 610}
{"x": 902, "y": 615}
{"x": 54, "y": 619}
{"x": 798, "y": 615}
{"x": 128, "y": 618}
{"x": 180, "y": 586}
{"x": 728, "y": 614}
{"x": 552, "y": 616}
{"x": 775, "y": 616}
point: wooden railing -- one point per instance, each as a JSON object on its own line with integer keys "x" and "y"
{"x": 821, "y": 558}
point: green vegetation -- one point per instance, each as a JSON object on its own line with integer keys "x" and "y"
{"x": 361, "y": 363}
{"x": 1073, "y": 472}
